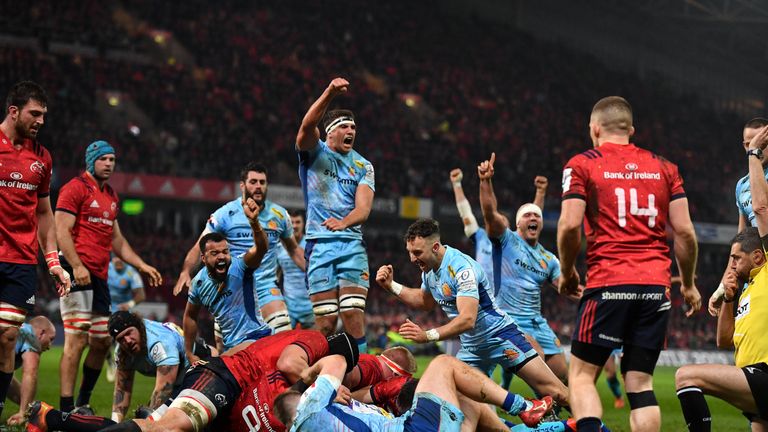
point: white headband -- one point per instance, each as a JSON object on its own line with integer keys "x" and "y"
{"x": 345, "y": 120}
{"x": 527, "y": 208}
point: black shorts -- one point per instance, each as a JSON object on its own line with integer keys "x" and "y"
{"x": 621, "y": 315}
{"x": 757, "y": 377}
{"x": 102, "y": 302}
{"x": 212, "y": 378}
{"x": 201, "y": 348}
{"x": 18, "y": 283}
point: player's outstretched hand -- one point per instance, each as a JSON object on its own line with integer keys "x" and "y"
{"x": 154, "y": 276}
{"x": 385, "y": 276}
{"x": 338, "y": 86}
{"x": 692, "y": 297}
{"x": 182, "y": 283}
{"x": 412, "y": 331}
{"x": 485, "y": 169}
{"x": 541, "y": 183}
{"x": 456, "y": 176}
{"x": 760, "y": 140}
{"x": 569, "y": 282}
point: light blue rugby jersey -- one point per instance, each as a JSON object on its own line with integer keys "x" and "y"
{"x": 294, "y": 282}
{"x": 317, "y": 412}
{"x": 165, "y": 347}
{"x": 523, "y": 270}
{"x": 234, "y": 307}
{"x": 483, "y": 251}
{"x": 26, "y": 341}
{"x": 121, "y": 285}
{"x": 744, "y": 199}
{"x": 461, "y": 276}
{"x": 230, "y": 221}
{"x": 329, "y": 181}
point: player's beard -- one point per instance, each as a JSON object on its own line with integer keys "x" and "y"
{"x": 259, "y": 201}
{"x": 23, "y": 131}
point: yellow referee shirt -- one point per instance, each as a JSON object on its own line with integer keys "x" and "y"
{"x": 751, "y": 325}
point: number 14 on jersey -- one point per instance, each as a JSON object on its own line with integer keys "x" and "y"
{"x": 621, "y": 200}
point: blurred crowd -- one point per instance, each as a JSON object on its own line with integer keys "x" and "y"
{"x": 422, "y": 107}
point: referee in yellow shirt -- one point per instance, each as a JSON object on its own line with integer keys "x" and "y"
{"x": 744, "y": 327}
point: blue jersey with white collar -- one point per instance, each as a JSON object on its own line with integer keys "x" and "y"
{"x": 461, "y": 276}
{"x": 329, "y": 181}
{"x": 165, "y": 347}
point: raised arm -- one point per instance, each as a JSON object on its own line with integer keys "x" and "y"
{"x": 686, "y": 252}
{"x": 494, "y": 221}
{"x": 190, "y": 261}
{"x": 757, "y": 183}
{"x": 309, "y": 134}
{"x": 123, "y": 249}
{"x": 541, "y": 183}
{"x": 462, "y": 205}
{"x": 416, "y": 298}
{"x": 256, "y": 253}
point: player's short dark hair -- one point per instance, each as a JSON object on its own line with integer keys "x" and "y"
{"x": 23, "y": 91}
{"x": 210, "y": 237}
{"x": 756, "y": 123}
{"x": 423, "y": 228}
{"x": 614, "y": 114}
{"x": 404, "y": 399}
{"x": 285, "y": 405}
{"x": 334, "y": 114}
{"x": 749, "y": 239}
{"x": 252, "y": 166}
{"x": 298, "y": 212}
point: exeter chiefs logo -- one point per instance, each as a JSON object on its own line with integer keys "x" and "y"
{"x": 37, "y": 167}
{"x": 511, "y": 354}
{"x": 272, "y": 225}
{"x": 543, "y": 264}
{"x": 446, "y": 290}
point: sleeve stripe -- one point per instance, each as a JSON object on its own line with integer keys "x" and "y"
{"x": 677, "y": 196}
{"x": 66, "y": 211}
{"x": 43, "y": 195}
{"x": 575, "y": 196}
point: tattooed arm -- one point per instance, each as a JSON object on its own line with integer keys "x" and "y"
{"x": 123, "y": 389}
{"x": 164, "y": 380}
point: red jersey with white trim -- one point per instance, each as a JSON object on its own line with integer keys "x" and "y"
{"x": 627, "y": 190}
{"x": 370, "y": 371}
{"x": 384, "y": 393}
{"x": 95, "y": 211}
{"x": 255, "y": 369}
{"x": 25, "y": 177}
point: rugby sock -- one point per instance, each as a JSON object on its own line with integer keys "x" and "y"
{"x": 66, "y": 403}
{"x": 695, "y": 409}
{"x": 615, "y": 386}
{"x": 127, "y": 426}
{"x": 589, "y": 424}
{"x": 5, "y": 383}
{"x": 506, "y": 378}
{"x": 90, "y": 376}
{"x": 58, "y": 420}
{"x": 362, "y": 345}
{"x": 514, "y": 404}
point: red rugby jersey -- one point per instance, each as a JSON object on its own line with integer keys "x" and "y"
{"x": 95, "y": 211}
{"x": 255, "y": 369}
{"x": 25, "y": 176}
{"x": 627, "y": 190}
{"x": 370, "y": 371}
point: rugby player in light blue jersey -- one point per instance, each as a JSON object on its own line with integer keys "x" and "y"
{"x": 479, "y": 236}
{"x": 35, "y": 337}
{"x": 152, "y": 349}
{"x": 743, "y": 204}
{"x": 225, "y": 287}
{"x": 523, "y": 267}
{"x": 230, "y": 221}
{"x": 450, "y": 396}
{"x": 459, "y": 285}
{"x": 338, "y": 187}
{"x": 294, "y": 279}
{"x": 126, "y": 289}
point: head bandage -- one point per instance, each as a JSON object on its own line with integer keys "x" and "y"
{"x": 343, "y": 120}
{"x": 394, "y": 367}
{"x": 527, "y": 208}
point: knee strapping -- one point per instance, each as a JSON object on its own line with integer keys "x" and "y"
{"x": 11, "y": 316}
{"x": 350, "y": 302}
{"x": 77, "y": 322}
{"x": 99, "y": 327}
{"x": 200, "y": 410}
{"x": 279, "y": 321}
{"x": 641, "y": 399}
{"x": 217, "y": 330}
{"x": 325, "y": 307}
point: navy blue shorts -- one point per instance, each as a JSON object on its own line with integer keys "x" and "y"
{"x": 621, "y": 315}
{"x": 102, "y": 303}
{"x": 429, "y": 413}
{"x": 18, "y": 283}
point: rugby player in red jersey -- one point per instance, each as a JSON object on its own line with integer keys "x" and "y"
{"x": 231, "y": 392}
{"x": 625, "y": 197}
{"x": 372, "y": 369}
{"x": 26, "y": 218}
{"x": 87, "y": 232}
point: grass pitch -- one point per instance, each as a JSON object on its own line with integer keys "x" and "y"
{"x": 724, "y": 416}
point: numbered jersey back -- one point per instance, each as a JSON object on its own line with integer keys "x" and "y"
{"x": 627, "y": 191}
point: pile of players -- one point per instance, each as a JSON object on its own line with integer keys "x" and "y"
{"x": 624, "y": 196}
